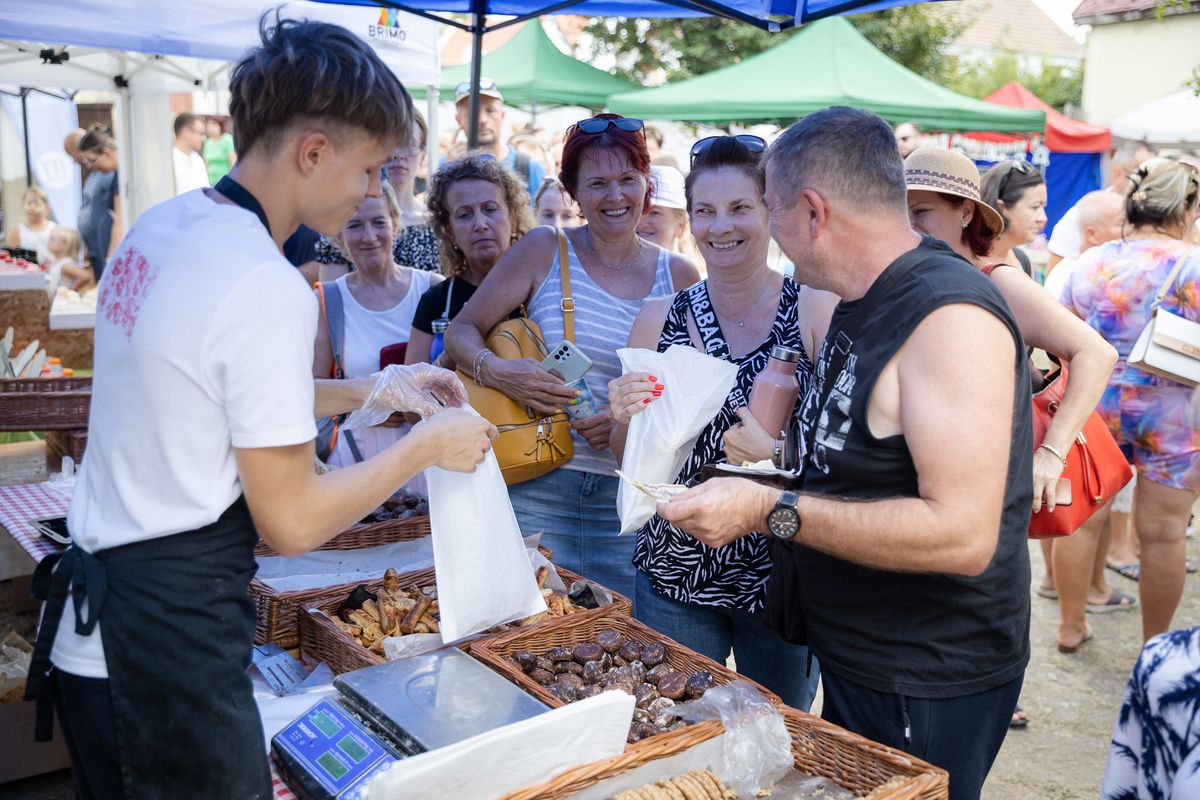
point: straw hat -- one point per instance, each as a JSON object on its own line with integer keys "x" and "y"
{"x": 936, "y": 169}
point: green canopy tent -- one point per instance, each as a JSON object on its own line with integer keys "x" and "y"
{"x": 531, "y": 72}
{"x": 827, "y": 63}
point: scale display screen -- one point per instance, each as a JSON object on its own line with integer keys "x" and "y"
{"x": 328, "y": 753}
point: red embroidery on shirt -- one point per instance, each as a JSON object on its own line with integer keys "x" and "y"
{"x": 126, "y": 283}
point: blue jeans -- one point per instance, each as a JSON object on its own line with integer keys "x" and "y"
{"x": 576, "y": 512}
{"x": 760, "y": 653}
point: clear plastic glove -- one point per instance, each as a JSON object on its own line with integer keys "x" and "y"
{"x": 757, "y": 749}
{"x": 420, "y": 388}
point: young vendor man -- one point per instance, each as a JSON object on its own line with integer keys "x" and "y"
{"x": 201, "y": 435}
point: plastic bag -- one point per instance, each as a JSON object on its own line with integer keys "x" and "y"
{"x": 662, "y": 437}
{"x": 484, "y": 576}
{"x": 419, "y": 388}
{"x": 756, "y": 750}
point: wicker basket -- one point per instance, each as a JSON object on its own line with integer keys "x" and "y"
{"x": 67, "y": 443}
{"x": 498, "y": 652}
{"x": 277, "y": 613}
{"x": 367, "y": 534}
{"x": 44, "y": 404}
{"x": 322, "y": 640}
{"x": 818, "y": 748}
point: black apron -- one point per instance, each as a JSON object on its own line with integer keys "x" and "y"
{"x": 178, "y": 629}
{"x": 178, "y": 626}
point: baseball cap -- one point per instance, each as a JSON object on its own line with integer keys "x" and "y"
{"x": 667, "y": 191}
{"x": 487, "y": 88}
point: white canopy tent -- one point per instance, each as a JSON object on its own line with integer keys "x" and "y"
{"x": 145, "y": 49}
{"x": 1173, "y": 120}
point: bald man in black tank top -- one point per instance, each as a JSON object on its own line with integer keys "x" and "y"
{"x": 901, "y": 557}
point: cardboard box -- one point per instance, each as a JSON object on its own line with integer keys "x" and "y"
{"x": 21, "y": 757}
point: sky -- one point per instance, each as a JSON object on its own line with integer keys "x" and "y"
{"x": 1060, "y": 12}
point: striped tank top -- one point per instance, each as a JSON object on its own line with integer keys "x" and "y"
{"x": 602, "y": 325}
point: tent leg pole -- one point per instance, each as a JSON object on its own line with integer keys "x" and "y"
{"x": 25, "y": 134}
{"x": 431, "y": 140}
{"x": 478, "y": 21}
{"x": 130, "y": 202}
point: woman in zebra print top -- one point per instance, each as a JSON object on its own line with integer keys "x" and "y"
{"x": 709, "y": 599}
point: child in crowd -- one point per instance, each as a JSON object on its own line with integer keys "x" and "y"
{"x": 65, "y": 246}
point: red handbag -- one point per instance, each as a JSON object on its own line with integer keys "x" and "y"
{"x": 1096, "y": 466}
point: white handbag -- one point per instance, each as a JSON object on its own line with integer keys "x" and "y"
{"x": 1169, "y": 345}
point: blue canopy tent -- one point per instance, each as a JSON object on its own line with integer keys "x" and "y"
{"x": 769, "y": 15}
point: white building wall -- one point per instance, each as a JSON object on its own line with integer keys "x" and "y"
{"x": 1131, "y": 63}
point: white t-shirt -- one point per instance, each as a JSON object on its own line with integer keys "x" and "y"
{"x": 190, "y": 171}
{"x": 1066, "y": 240}
{"x": 1060, "y": 276}
{"x": 198, "y": 351}
{"x": 366, "y": 333}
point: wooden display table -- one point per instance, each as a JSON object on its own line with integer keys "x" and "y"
{"x": 28, "y": 312}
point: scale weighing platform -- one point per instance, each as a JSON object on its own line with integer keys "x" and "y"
{"x": 386, "y": 713}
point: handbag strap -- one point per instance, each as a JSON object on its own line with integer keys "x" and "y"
{"x": 335, "y": 326}
{"x": 1162, "y": 291}
{"x": 705, "y": 317}
{"x": 567, "y": 304}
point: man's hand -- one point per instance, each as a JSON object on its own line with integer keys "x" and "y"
{"x": 595, "y": 428}
{"x": 721, "y": 510}
{"x": 455, "y": 440}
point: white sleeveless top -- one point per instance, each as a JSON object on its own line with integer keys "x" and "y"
{"x": 602, "y": 325}
{"x": 39, "y": 241}
{"x": 367, "y": 332}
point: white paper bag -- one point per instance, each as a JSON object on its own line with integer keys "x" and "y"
{"x": 661, "y": 437}
{"x": 524, "y": 753}
{"x": 484, "y": 577}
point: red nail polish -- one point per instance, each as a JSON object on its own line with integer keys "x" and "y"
{"x": 652, "y": 378}
{"x": 647, "y": 400}
{"x": 657, "y": 394}
{"x": 658, "y": 387}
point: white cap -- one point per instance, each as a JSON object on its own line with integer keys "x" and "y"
{"x": 667, "y": 188}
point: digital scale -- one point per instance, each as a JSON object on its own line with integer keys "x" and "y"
{"x": 386, "y": 713}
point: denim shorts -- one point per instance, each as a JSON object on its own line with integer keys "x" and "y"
{"x": 576, "y": 513}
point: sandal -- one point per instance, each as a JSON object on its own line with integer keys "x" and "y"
{"x": 1019, "y": 719}
{"x": 1087, "y": 636}
{"x": 1117, "y": 601}
{"x": 1048, "y": 592}
{"x": 1131, "y": 570}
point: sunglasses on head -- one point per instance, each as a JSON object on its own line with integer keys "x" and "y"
{"x": 1019, "y": 165}
{"x": 755, "y": 144}
{"x": 485, "y": 85}
{"x": 597, "y": 125}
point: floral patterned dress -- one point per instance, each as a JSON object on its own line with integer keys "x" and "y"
{"x": 1112, "y": 289}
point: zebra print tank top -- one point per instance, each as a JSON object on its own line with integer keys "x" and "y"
{"x": 679, "y": 567}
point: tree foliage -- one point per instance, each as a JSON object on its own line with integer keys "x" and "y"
{"x": 1057, "y": 86}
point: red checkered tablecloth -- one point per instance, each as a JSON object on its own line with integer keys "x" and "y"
{"x": 279, "y": 789}
{"x": 19, "y": 505}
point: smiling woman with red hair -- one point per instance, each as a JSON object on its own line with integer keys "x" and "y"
{"x": 613, "y": 272}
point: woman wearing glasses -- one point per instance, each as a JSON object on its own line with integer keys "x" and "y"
{"x": 416, "y": 245}
{"x": 479, "y": 208}
{"x": 100, "y": 209}
{"x": 944, "y": 201}
{"x": 706, "y": 598}
{"x": 613, "y": 272}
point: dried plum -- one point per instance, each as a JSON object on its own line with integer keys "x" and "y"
{"x": 526, "y": 659}
{"x": 672, "y": 685}
{"x": 630, "y": 651}
{"x": 542, "y": 676}
{"x": 563, "y": 692}
{"x": 586, "y": 691}
{"x": 657, "y": 672}
{"x": 653, "y": 654}
{"x": 645, "y": 694}
{"x": 587, "y": 651}
{"x": 638, "y": 670}
{"x": 568, "y": 679}
{"x": 558, "y": 654}
{"x": 610, "y": 640}
{"x": 544, "y": 663}
{"x": 646, "y": 729}
{"x": 592, "y": 673}
{"x": 699, "y": 683}
{"x": 569, "y": 666}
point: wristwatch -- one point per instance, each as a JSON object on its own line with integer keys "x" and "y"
{"x": 784, "y": 521}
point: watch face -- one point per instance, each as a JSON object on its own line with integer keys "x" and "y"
{"x": 784, "y": 522}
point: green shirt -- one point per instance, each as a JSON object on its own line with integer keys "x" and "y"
{"x": 217, "y": 153}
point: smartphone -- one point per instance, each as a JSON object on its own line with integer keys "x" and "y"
{"x": 54, "y": 528}
{"x": 567, "y": 362}
{"x": 1062, "y": 492}
{"x": 584, "y": 406}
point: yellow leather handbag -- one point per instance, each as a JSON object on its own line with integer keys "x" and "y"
{"x": 529, "y": 445}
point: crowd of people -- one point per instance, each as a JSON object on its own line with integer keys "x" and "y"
{"x": 894, "y": 568}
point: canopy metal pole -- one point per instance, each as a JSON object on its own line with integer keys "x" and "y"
{"x": 479, "y": 20}
{"x": 25, "y": 135}
{"x": 431, "y": 139}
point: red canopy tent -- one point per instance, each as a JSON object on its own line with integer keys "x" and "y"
{"x": 1075, "y": 150}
